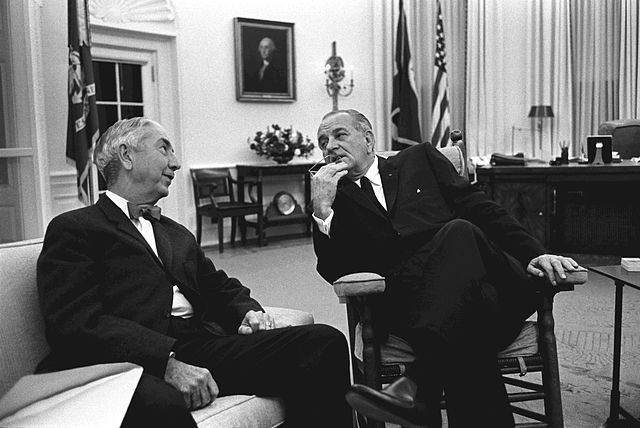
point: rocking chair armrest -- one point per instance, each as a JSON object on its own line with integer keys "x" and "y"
{"x": 358, "y": 284}
{"x": 574, "y": 277}
{"x": 368, "y": 283}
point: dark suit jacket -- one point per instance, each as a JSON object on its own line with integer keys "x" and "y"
{"x": 274, "y": 79}
{"x": 423, "y": 192}
{"x": 106, "y": 297}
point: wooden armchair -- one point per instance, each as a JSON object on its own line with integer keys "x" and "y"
{"x": 534, "y": 350}
{"x": 214, "y": 192}
{"x": 625, "y": 136}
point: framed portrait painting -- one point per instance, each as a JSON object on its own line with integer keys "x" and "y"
{"x": 265, "y": 62}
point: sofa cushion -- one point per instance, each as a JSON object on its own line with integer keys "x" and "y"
{"x": 22, "y": 341}
{"x": 241, "y": 411}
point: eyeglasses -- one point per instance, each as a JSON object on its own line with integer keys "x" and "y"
{"x": 314, "y": 169}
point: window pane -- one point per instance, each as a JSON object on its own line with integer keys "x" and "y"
{"x": 17, "y": 203}
{"x": 130, "y": 83}
{"x": 107, "y": 115}
{"x": 105, "y": 77}
{"x": 131, "y": 111}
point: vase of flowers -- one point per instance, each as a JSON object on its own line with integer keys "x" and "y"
{"x": 280, "y": 144}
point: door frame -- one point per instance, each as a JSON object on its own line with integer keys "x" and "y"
{"x": 158, "y": 50}
{"x": 24, "y": 115}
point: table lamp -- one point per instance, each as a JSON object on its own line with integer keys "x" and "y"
{"x": 539, "y": 113}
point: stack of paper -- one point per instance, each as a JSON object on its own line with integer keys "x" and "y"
{"x": 630, "y": 264}
{"x": 96, "y": 396}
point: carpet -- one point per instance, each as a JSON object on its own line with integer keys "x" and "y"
{"x": 283, "y": 274}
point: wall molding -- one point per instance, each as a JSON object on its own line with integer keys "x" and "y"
{"x": 156, "y": 17}
{"x": 121, "y": 11}
{"x": 64, "y": 194}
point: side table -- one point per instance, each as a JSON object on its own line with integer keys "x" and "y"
{"x": 259, "y": 171}
{"x": 620, "y": 277}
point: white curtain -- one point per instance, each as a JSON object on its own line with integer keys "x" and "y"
{"x": 629, "y": 70}
{"x": 579, "y": 56}
{"x": 518, "y": 57}
{"x": 596, "y": 58}
{"x": 498, "y": 97}
{"x": 548, "y": 75}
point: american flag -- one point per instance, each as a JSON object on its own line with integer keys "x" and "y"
{"x": 82, "y": 125}
{"x": 404, "y": 105}
{"x": 440, "y": 117}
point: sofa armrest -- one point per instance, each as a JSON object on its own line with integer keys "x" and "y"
{"x": 358, "y": 284}
{"x": 287, "y": 317}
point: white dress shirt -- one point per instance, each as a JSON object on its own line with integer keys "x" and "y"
{"x": 373, "y": 174}
{"x": 180, "y": 306}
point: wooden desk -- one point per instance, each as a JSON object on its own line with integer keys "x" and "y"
{"x": 575, "y": 208}
{"x": 258, "y": 171}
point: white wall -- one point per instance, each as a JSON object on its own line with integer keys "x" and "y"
{"x": 214, "y": 123}
{"x": 214, "y": 126}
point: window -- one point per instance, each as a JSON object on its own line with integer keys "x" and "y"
{"x": 119, "y": 95}
{"x": 118, "y": 91}
{"x": 19, "y": 207}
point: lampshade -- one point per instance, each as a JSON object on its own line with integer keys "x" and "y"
{"x": 541, "y": 111}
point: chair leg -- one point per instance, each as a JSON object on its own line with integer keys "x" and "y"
{"x": 243, "y": 229}
{"x": 550, "y": 374}
{"x": 260, "y": 229}
{"x": 371, "y": 357}
{"x": 199, "y": 229}
{"x": 233, "y": 230}
{"x": 220, "y": 235}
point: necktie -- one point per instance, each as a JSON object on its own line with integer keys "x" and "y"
{"x": 366, "y": 186}
{"x": 150, "y": 212}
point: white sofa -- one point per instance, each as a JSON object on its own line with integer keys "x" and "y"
{"x": 23, "y": 345}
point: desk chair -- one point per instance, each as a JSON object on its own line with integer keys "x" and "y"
{"x": 214, "y": 193}
{"x": 625, "y": 136}
{"x": 534, "y": 350}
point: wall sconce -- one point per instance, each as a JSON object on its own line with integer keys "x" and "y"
{"x": 538, "y": 113}
{"x": 335, "y": 72}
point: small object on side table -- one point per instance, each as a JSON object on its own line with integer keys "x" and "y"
{"x": 630, "y": 264}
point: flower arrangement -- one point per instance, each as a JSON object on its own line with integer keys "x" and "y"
{"x": 280, "y": 144}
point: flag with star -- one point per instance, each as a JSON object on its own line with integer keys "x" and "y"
{"x": 82, "y": 123}
{"x": 440, "y": 117}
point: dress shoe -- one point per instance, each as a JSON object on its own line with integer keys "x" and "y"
{"x": 396, "y": 403}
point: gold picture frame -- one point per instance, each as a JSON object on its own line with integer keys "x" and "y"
{"x": 265, "y": 60}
